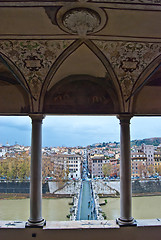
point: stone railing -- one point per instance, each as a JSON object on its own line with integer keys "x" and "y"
{"x": 98, "y": 210}
{"x": 74, "y": 211}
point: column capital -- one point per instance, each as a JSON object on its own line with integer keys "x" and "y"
{"x": 37, "y": 117}
{"x": 125, "y": 118}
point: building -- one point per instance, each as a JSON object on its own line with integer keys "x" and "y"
{"x": 149, "y": 151}
{"x": 157, "y": 162}
{"x": 75, "y": 166}
{"x": 138, "y": 164}
{"x": 96, "y": 166}
{"x": 97, "y": 162}
{"x": 2, "y": 152}
{"x": 67, "y": 166}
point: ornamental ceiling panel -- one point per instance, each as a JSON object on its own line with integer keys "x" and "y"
{"x": 129, "y": 60}
{"x": 33, "y": 58}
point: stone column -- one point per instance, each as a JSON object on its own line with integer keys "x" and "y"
{"x": 126, "y": 218}
{"x": 36, "y": 219}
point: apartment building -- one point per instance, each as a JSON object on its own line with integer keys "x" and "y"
{"x": 138, "y": 164}
{"x": 157, "y": 159}
{"x": 67, "y": 165}
{"x": 96, "y": 163}
{"x": 149, "y": 151}
{"x": 96, "y": 169}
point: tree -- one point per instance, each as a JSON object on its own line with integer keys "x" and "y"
{"x": 142, "y": 170}
{"x": 158, "y": 169}
{"x": 67, "y": 172}
{"x": 150, "y": 169}
{"x": 106, "y": 168}
{"x": 17, "y": 167}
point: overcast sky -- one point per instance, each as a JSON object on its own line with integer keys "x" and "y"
{"x": 76, "y": 130}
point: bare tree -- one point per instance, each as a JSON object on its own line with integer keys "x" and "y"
{"x": 150, "y": 169}
{"x": 142, "y": 170}
{"x": 158, "y": 169}
{"x": 106, "y": 169}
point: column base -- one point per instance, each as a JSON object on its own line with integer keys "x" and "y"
{"x": 126, "y": 223}
{"x": 39, "y": 224}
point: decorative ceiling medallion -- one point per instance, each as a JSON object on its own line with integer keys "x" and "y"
{"x": 81, "y": 20}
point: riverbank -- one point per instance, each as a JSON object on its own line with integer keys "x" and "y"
{"x": 11, "y": 196}
{"x": 133, "y": 195}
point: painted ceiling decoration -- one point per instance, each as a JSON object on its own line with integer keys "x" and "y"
{"x": 34, "y": 58}
{"x": 129, "y": 60}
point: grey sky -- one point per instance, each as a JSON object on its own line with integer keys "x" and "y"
{"x": 76, "y": 130}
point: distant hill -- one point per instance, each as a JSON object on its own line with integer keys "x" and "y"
{"x": 148, "y": 141}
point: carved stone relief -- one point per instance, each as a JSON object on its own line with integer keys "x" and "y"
{"x": 33, "y": 58}
{"x": 129, "y": 60}
{"x": 81, "y": 21}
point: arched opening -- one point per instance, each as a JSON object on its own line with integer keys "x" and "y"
{"x": 13, "y": 95}
{"x": 148, "y": 94}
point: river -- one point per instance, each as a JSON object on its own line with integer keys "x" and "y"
{"x": 57, "y": 209}
{"x": 142, "y": 207}
{"x": 52, "y": 209}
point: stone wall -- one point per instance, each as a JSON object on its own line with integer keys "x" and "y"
{"x": 150, "y": 186}
{"x": 101, "y": 187}
{"x": 146, "y": 186}
{"x": 19, "y": 187}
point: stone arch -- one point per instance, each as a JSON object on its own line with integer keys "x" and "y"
{"x": 147, "y": 90}
{"x": 101, "y": 58}
{"x": 15, "y": 97}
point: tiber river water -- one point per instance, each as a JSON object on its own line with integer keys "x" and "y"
{"x": 57, "y": 209}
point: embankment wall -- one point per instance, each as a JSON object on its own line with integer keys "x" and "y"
{"x": 19, "y": 187}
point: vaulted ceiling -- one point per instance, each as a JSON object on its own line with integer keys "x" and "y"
{"x": 80, "y": 57}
